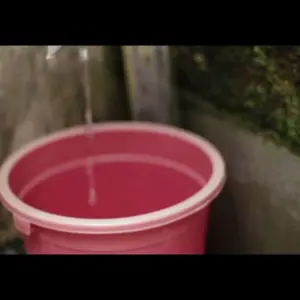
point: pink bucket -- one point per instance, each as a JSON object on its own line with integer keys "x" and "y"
{"x": 154, "y": 187}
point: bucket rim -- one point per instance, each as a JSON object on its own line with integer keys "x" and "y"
{"x": 189, "y": 206}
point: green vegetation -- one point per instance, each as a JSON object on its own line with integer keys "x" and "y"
{"x": 261, "y": 84}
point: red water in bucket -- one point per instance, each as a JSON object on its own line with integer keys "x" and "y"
{"x": 154, "y": 185}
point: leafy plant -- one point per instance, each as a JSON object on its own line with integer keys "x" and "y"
{"x": 261, "y": 83}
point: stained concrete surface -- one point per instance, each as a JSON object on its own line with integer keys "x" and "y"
{"x": 38, "y": 97}
{"x": 259, "y": 210}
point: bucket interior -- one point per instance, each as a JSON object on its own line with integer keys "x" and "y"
{"x": 136, "y": 172}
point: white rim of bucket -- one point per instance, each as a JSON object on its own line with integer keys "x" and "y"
{"x": 117, "y": 225}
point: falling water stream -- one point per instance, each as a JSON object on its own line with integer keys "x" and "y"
{"x": 92, "y": 196}
{"x": 158, "y": 106}
{"x": 84, "y": 56}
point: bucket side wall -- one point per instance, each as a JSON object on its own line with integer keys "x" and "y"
{"x": 187, "y": 236}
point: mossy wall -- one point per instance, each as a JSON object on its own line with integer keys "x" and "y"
{"x": 259, "y": 209}
{"x": 259, "y": 83}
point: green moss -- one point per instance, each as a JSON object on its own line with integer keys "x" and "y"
{"x": 260, "y": 84}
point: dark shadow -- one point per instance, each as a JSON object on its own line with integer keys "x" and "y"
{"x": 224, "y": 236}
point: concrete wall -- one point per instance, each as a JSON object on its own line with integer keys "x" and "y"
{"x": 149, "y": 79}
{"x": 35, "y": 98}
{"x": 259, "y": 210}
{"x": 38, "y": 97}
